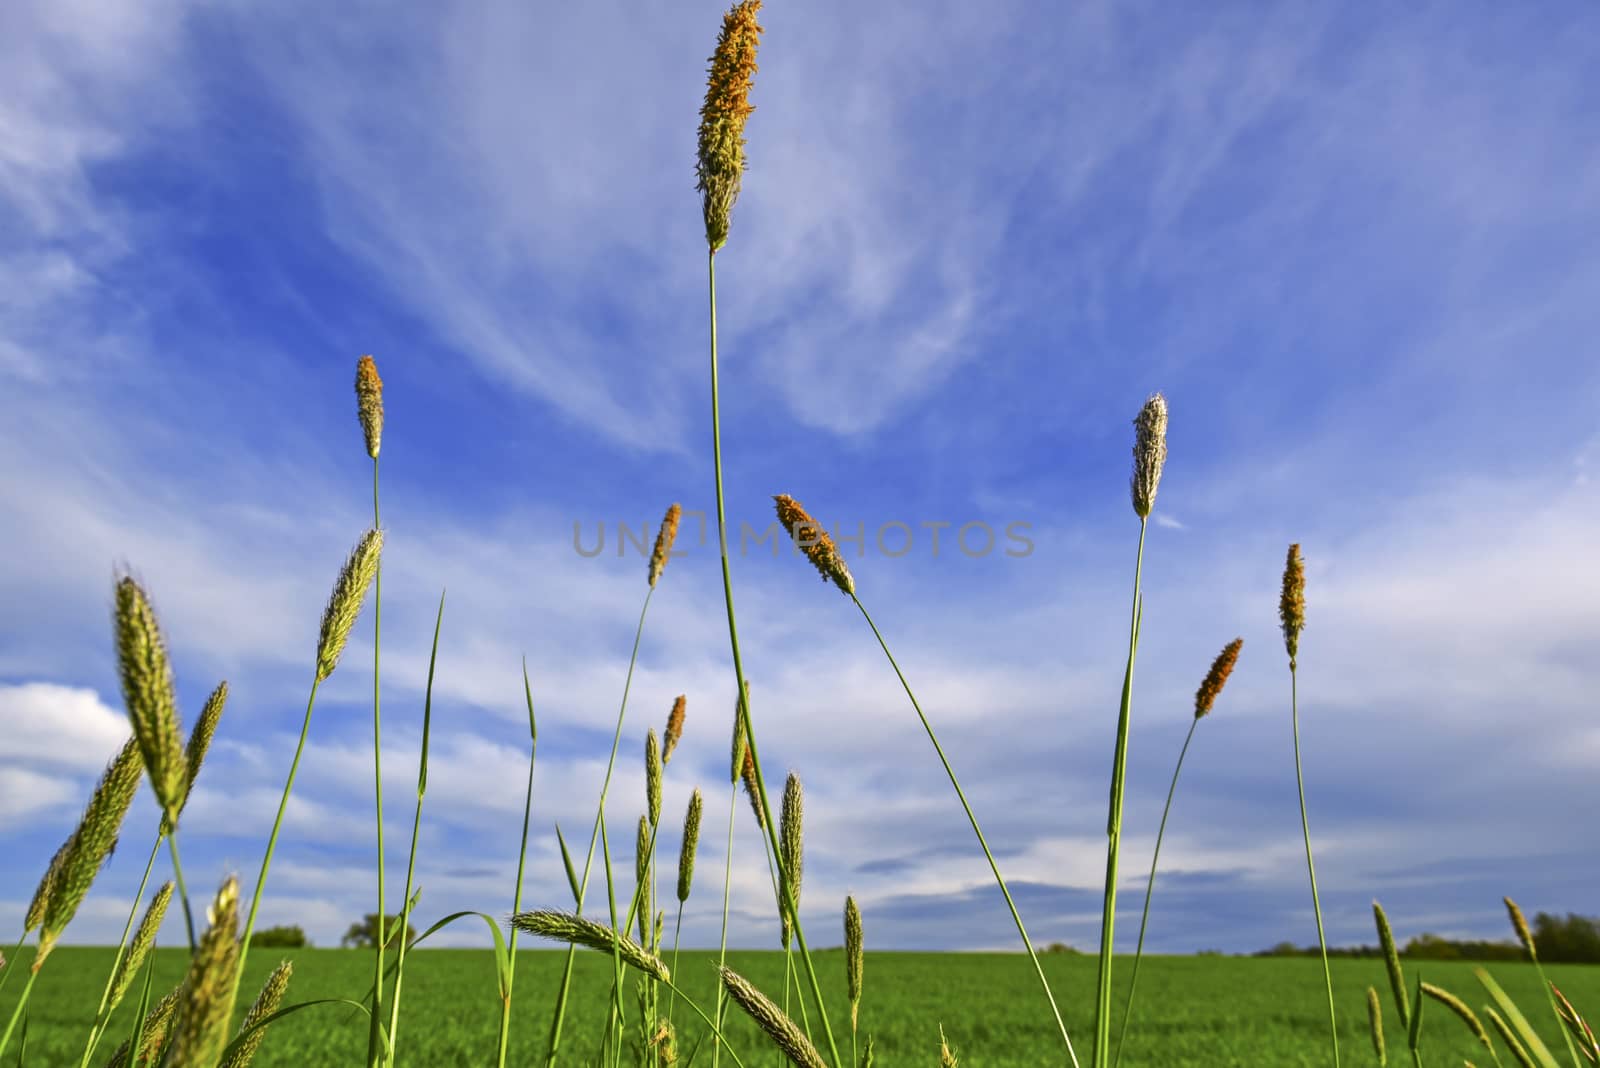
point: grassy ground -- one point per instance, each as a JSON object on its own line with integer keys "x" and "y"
{"x": 1196, "y": 1010}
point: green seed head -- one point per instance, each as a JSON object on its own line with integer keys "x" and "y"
{"x": 578, "y": 930}
{"x": 790, "y": 842}
{"x": 143, "y": 939}
{"x": 1391, "y": 961}
{"x": 157, "y": 1024}
{"x": 652, "y": 776}
{"x": 1519, "y": 923}
{"x": 1375, "y": 1022}
{"x": 736, "y": 768}
{"x": 147, "y": 690}
{"x": 691, "y": 840}
{"x": 1459, "y": 1007}
{"x": 47, "y": 882}
{"x": 771, "y": 1019}
{"x": 205, "y": 728}
{"x": 267, "y": 1002}
{"x": 344, "y": 605}
{"x": 853, "y": 957}
{"x": 201, "y": 1029}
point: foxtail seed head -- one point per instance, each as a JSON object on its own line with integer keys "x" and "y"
{"x": 157, "y": 1022}
{"x": 736, "y": 767}
{"x": 1217, "y": 677}
{"x": 853, "y": 958}
{"x": 664, "y": 539}
{"x": 148, "y": 692}
{"x": 89, "y": 845}
{"x": 577, "y": 930}
{"x": 1292, "y": 602}
{"x": 946, "y": 1058}
{"x": 201, "y": 1029}
{"x": 641, "y": 872}
{"x": 691, "y": 841}
{"x": 267, "y": 1003}
{"x": 652, "y": 776}
{"x": 772, "y": 1020}
{"x": 47, "y": 883}
{"x": 720, "y": 164}
{"x": 1375, "y": 1022}
{"x": 1149, "y": 453}
{"x": 812, "y": 539}
{"x": 1391, "y": 962}
{"x": 674, "y": 728}
{"x": 369, "y": 403}
{"x": 1459, "y": 1007}
{"x": 790, "y": 842}
{"x": 344, "y": 604}
{"x": 1519, "y": 923}
{"x": 143, "y": 939}
{"x": 752, "y": 790}
{"x": 205, "y": 728}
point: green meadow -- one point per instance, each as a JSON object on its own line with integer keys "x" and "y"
{"x": 1197, "y": 1010}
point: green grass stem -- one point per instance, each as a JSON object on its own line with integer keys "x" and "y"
{"x": 1311, "y": 870}
{"x": 522, "y": 858}
{"x": 102, "y": 1014}
{"x": 375, "y": 1047}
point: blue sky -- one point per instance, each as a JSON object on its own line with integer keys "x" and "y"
{"x": 1357, "y": 254}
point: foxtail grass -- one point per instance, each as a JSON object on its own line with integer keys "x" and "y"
{"x": 1577, "y": 1027}
{"x": 853, "y": 967}
{"x": 790, "y": 837}
{"x": 266, "y": 1004}
{"x": 1204, "y": 700}
{"x": 826, "y": 559}
{"x": 783, "y": 1031}
{"x": 344, "y": 605}
{"x": 369, "y": 412}
{"x": 736, "y": 763}
{"x": 720, "y": 167}
{"x": 204, "y": 1008}
{"x": 522, "y": 857}
{"x": 686, "y": 852}
{"x": 1519, "y": 923}
{"x": 416, "y": 827}
{"x": 1375, "y": 1025}
{"x": 1464, "y": 1013}
{"x": 1149, "y": 458}
{"x": 1292, "y": 614}
{"x": 664, "y": 540}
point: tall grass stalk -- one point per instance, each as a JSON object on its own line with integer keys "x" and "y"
{"x": 560, "y": 1013}
{"x": 1519, "y": 923}
{"x": 522, "y": 858}
{"x": 738, "y": 664}
{"x": 1291, "y": 612}
{"x": 375, "y": 1051}
{"x": 722, "y": 951}
{"x": 183, "y": 893}
{"x": 976, "y": 830}
{"x": 411, "y": 862}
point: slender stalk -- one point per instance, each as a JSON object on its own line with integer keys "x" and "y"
{"x": 738, "y": 665}
{"x": 416, "y": 825}
{"x": 375, "y": 1025}
{"x": 5, "y": 973}
{"x": 522, "y": 857}
{"x": 973, "y": 819}
{"x": 272, "y": 845}
{"x": 101, "y": 1014}
{"x": 583, "y": 883}
{"x": 1102, "y": 1016}
{"x": 177, "y": 875}
{"x": 676, "y": 931}
{"x": 16, "y": 1013}
{"x": 1305, "y": 826}
{"x": 616, "y": 952}
{"x": 1144, "y": 919}
{"x": 722, "y": 958}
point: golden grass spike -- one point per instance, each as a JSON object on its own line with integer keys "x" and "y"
{"x": 652, "y": 776}
{"x": 577, "y": 930}
{"x": 1217, "y": 677}
{"x": 720, "y": 162}
{"x": 1149, "y": 453}
{"x": 1292, "y": 602}
{"x": 1459, "y": 1007}
{"x": 946, "y": 1058}
{"x": 736, "y": 766}
{"x": 267, "y": 1002}
{"x": 691, "y": 842}
{"x": 772, "y": 1020}
{"x": 1391, "y": 962}
{"x": 369, "y": 403}
{"x": 344, "y": 604}
{"x": 853, "y": 959}
{"x": 674, "y": 728}
{"x": 148, "y": 692}
{"x": 1375, "y": 1022}
{"x": 90, "y": 844}
{"x": 139, "y": 949}
{"x": 812, "y": 539}
{"x": 201, "y": 1028}
{"x": 157, "y": 1023}
{"x": 1519, "y": 923}
{"x": 664, "y": 539}
{"x": 790, "y": 842}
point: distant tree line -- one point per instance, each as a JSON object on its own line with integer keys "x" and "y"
{"x": 1572, "y": 940}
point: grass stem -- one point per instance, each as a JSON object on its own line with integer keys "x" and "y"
{"x": 522, "y": 858}
{"x": 375, "y": 1052}
{"x": 183, "y": 894}
{"x": 1311, "y": 870}
{"x": 101, "y": 1014}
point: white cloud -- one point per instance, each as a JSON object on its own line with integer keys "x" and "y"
{"x": 66, "y": 726}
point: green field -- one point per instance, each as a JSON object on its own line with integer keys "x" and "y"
{"x": 1195, "y": 1010}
